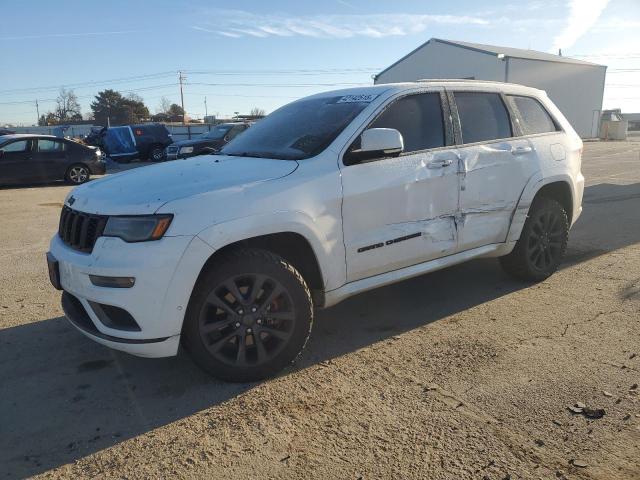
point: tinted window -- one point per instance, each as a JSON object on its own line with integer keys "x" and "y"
{"x": 533, "y": 117}
{"x": 235, "y": 131}
{"x": 20, "y": 146}
{"x": 217, "y": 132}
{"x": 418, "y": 118}
{"x": 483, "y": 116}
{"x": 299, "y": 130}
{"x": 50, "y": 145}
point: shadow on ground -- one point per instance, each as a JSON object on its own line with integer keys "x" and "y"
{"x": 63, "y": 397}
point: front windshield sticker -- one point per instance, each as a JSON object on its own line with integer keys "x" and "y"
{"x": 357, "y": 99}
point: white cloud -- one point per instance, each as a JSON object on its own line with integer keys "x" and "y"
{"x": 583, "y": 14}
{"x": 241, "y": 23}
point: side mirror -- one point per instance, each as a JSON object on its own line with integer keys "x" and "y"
{"x": 376, "y": 143}
{"x": 226, "y": 138}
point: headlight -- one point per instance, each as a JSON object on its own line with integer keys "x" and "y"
{"x": 186, "y": 149}
{"x": 139, "y": 228}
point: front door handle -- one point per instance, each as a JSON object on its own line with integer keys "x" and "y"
{"x": 521, "y": 150}
{"x": 439, "y": 163}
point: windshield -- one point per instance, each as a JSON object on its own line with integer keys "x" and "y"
{"x": 299, "y": 130}
{"x": 217, "y": 132}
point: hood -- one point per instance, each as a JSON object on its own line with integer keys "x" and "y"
{"x": 143, "y": 190}
{"x": 197, "y": 141}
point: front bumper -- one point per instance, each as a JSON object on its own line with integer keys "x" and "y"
{"x": 98, "y": 168}
{"x": 165, "y": 272}
{"x": 153, "y": 347}
{"x": 179, "y": 156}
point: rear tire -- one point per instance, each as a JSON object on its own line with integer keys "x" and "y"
{"x": 156, "y": 153}
{"x": 249, "y": 316}
{"x": 77, "y": 174}
{"x": 542, "y": 243}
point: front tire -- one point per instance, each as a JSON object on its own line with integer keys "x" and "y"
{"x": 249, "y": 317}
{"x": 542, "y": 243}
{"x": 77, "y": 174}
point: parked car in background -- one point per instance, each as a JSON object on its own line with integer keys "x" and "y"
{"x": 122, "y": 144}
{"x": 329, "y": 196}
{"x": 208, "y": 142}
{"x": 4, "y": 131}
{"x": 44, "y": 158}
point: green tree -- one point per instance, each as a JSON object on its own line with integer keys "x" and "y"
{"x": 136, "y": 109}
{"x": 110, "y": 107}
{"x": 176, "y": 112}
{"x": 48, "y": 119}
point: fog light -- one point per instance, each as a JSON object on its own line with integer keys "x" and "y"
{"x": 112, "y": 282}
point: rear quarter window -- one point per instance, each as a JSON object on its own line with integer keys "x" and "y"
{"x": 534, "y": 118}
{"x": 483, "y": 116}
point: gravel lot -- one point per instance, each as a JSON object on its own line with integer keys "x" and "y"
{"x": 459, "y": 374}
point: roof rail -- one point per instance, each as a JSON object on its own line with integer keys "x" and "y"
{"x": 456, "y": 80}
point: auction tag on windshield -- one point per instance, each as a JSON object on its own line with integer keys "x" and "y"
{"x": 356, "y": 99}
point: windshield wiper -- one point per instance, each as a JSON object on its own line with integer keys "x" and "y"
{"x": 257, "y": 155}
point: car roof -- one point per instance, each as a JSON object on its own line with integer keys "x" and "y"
{"x": 453, "y": 83}
{"x": 15, "y": 136}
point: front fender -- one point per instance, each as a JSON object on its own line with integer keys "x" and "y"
{"x": 329, "y": 251}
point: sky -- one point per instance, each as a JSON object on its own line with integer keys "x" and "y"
{"x": 250, "y": 53}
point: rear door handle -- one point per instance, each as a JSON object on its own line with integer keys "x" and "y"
{"x": 521, "y": 150}
{"x": 439, "y": 163}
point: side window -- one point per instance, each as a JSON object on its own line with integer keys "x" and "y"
{"x": 483, "y": 116}
{"x": 15, "y": 147}
{"x": 533, "y": 117}
{"x": 234, "y": 132}
{"x": 418, "y": 118}
{"x": 47, "y": 146}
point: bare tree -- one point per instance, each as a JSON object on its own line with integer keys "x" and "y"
{"x": 67, "y": 106}
{"x": 257, "y": 112}
{"x": 165, "y": 105}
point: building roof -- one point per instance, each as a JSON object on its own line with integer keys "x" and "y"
{"x": 508, "y": 52}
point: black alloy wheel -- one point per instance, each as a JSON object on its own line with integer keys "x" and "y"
{"x": 249, "y": 316}
{"x": 247, "y": 320}
{"x": 545, "y": 241}
{"x": 542, "y": 243}
{"x": 157, "y": 153}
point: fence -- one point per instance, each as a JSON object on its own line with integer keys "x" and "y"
{"x": 177, "y": 131}
{"x": 72, "y": 131}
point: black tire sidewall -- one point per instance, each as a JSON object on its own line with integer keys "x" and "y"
{"x": 153, "y": 150}
{"x": 518, "y": 262}
{"x": 239, "y": 262}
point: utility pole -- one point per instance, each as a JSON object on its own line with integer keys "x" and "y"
{"x": 206, "y": 113}
{"x": 38, "y": 112}
{"x": 181, "y": 78}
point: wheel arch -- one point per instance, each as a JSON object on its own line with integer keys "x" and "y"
{"x": 559, "y": 188}
{"x": 292, "y": 246}
{"x": 559, "y": 191}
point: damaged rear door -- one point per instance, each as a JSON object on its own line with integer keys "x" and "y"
{"x": 400, "y": 211}
{"x": 495, "y": 166}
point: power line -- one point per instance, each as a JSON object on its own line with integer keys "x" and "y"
{"x": 133, "y": 90}
{"x": 89, "y": 84}
{"x": 157, "y": 75}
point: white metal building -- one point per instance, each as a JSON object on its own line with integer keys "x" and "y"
{"x": 575, "y": 86}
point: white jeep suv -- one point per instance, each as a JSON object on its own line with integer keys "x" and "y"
{"x": 327, "y": 197}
